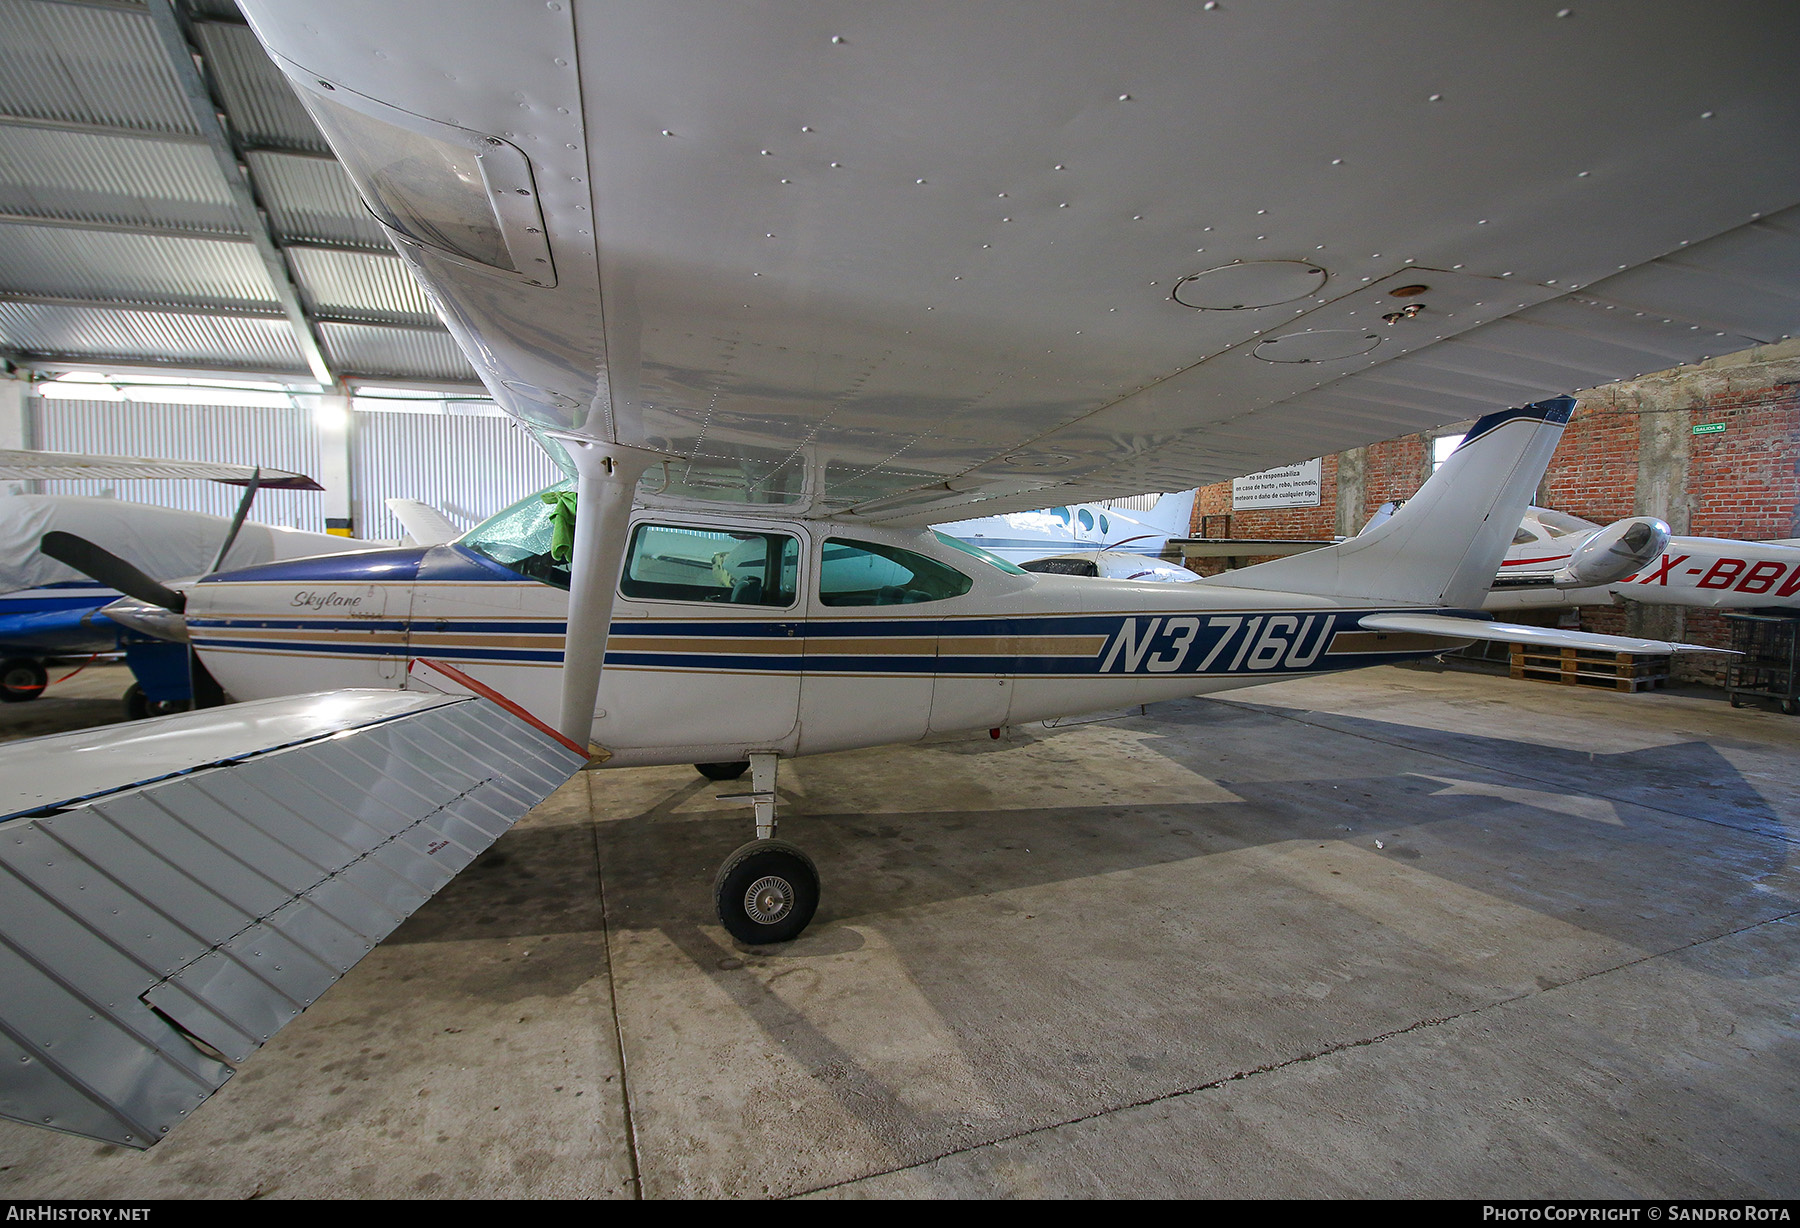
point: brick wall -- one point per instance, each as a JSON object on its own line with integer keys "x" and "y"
{"x": 1629, "y": 450}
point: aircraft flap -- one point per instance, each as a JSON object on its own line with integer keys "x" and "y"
{"x": 149, "y": 932}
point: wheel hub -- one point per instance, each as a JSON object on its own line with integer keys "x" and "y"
{"x": 769, "y": 899}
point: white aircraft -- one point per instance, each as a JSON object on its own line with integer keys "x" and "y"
{"x": 1020, "y": 537}
{"x": 49, "y": 609}
{"x": 424, "y": 524}
{"x": 821, "y": 275}
{"x": 1698, "y": 572}
{"x": 1111, "y": 565}
{"x": 1558, "y": 560}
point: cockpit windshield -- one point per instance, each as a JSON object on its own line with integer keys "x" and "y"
{"x": 524, "y": 537}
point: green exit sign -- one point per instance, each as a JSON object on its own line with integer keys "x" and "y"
{"x": 1709, "y": 428}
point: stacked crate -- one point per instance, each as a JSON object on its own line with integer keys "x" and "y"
{"x": 1621, "y": 671}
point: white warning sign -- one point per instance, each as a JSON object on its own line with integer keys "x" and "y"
{"x": 1288, "y": 486}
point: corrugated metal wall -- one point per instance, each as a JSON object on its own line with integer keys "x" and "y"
{"x": 283, "y": 438}
{"x": 468, "y": 466}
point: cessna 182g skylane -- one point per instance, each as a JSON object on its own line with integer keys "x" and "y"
{"x": 781, "y": 284}
{"x": 737, "y": 641}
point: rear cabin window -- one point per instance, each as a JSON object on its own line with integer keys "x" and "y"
{"x": 986, "y": 556}
{"x": 676, "y": 563}
{"x": 864, "y": 573}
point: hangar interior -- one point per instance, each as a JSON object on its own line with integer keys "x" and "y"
{"x": 1405, "y": 932}
{"x": 189, "y": 272}
{"x": 1713, "y": 449}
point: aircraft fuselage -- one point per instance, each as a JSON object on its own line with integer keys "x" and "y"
{"x": 706, "y": 662}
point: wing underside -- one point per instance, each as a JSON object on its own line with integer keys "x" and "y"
{"x": 834, "y": 258}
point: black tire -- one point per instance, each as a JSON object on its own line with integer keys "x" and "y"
{"x": 21, "y": 680}
{"x": 766, "y": 892}
{"x": 722, "y": 771}
{"x": 139, "y": 706}
{"x": 1790, "y": 706}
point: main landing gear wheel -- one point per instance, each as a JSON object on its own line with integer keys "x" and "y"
{"x": 138, "y": 705}
{"x": 722, "y": 771}
{"x": 766, "y": 892}
{"x": 21, "y": 679}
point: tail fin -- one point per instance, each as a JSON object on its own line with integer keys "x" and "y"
{"x": 1443, "y": 546}
{"x": 1173, "y": 513}
{"x": 424, "y": 523}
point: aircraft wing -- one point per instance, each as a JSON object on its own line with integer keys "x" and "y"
{"x": 916, "y": 265}
{"x": 24, "y": 464}
{"x": 177, "y": 892}
{"x": 44, "y": 633}
{"x": 1241, "y": 547}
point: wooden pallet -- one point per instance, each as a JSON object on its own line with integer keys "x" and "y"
{"x": 1621, "y": 671}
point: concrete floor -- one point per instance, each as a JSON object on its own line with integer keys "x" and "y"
{"x": 1395, "y": 933}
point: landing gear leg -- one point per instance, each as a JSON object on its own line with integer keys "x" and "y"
{"x": 768, "y": 890}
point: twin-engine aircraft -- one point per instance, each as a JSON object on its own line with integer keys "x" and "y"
{"x": 1022, "y": 537}
{"x": 780, "y": 285}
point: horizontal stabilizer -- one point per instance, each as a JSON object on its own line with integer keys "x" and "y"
{"x": 1513, "y": 633}
{"x": 161, "y": 922}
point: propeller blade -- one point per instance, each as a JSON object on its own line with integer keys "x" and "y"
{"x": 109, "y": 569}
{"x": 237, "y": 522}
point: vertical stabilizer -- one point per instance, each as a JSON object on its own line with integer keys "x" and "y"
{"x": 1444, "y": 545}
{"x": 1173, "y": 513}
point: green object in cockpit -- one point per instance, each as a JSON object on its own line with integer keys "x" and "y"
{"x": 562, "y": 523}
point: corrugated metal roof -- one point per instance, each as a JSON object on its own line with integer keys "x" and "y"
{"x": 102, "y": 156}
{"x": 362, "y": 349}
{"x": 312, "y": 198}
{"x": 127, "y": 336}
{"x": 94, "y": 65}
{"x": 261, "y": 103}
{"x": 102, "y": 177}
{"x": 153, "y": 268}
{"x": 359, "y": 283}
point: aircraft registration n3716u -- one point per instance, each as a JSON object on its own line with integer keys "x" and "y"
{"x": 793, "y": 281}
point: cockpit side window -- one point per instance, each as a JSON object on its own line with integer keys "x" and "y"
{"x": 524, "y": 537}
{"x": 679, "y": 563}
{"x": 864, "y": 573}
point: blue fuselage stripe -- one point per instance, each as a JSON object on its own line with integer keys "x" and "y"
{"x": 1202, "y": 643}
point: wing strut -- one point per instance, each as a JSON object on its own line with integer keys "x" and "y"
{"x": 606, "y": 478}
